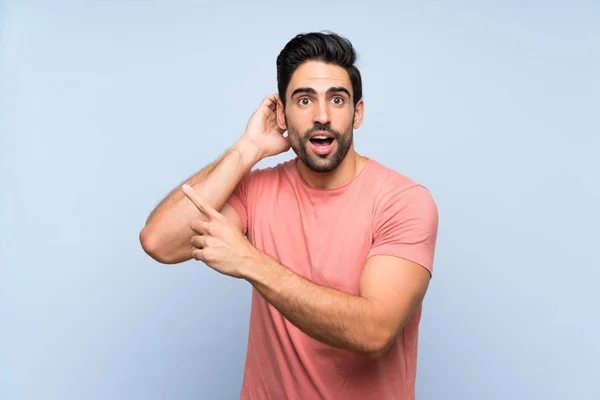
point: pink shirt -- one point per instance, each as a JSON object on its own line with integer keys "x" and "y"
{"x": 326, "y": 236}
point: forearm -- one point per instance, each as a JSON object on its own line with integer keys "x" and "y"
{"x": 338, "y": 319}
{"x": 167, "y": 235}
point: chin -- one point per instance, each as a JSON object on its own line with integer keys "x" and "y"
{"x": 319, "y": 163}
{"x": 322, "y": 164}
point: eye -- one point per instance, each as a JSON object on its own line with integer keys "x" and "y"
{"x": 304, "y": 101}
{"x": 337, "y": 100}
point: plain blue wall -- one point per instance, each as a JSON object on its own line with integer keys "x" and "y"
{"x": 106, "y": 106}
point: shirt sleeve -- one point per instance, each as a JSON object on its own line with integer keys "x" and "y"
{"x": 406, "y": 227}
{"x": 240, "y": 197}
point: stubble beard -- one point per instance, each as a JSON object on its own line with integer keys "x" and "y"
{"x": 316, "y": 162}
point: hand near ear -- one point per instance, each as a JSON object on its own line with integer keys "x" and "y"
{"x": 263, "y": 130}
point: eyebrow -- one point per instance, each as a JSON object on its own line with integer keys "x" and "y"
{"x": 331, "y": 90}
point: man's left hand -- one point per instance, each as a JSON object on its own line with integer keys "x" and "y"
{"x": 219, "y": 243}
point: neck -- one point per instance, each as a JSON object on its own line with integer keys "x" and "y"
{"x": 350, "y": 166}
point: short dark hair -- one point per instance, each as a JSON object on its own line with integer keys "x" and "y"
{"x": 317, "y": 46}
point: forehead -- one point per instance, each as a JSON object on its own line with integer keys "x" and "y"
{"x": 319, "y": 76}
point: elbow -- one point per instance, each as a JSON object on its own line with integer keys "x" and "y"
{"x": 379, "y": 344}
{"x": 151, "y": 244}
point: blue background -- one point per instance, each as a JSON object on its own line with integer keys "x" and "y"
{"x": 106, "y": 106}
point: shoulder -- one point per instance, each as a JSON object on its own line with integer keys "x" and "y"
{"x": 400, "y": 192}
{"x": 267, "y": 175}
{"x": 274, "y": 171}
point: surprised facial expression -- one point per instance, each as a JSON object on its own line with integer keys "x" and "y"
{"x": 320, "y": 115}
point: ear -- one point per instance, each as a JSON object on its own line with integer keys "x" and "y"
{"x": 281, "y": 115}
{"x": 359, "y": 112}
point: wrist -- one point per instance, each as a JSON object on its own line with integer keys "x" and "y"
{"x": 258, "y": 267}
{"x": 249, "y": 151}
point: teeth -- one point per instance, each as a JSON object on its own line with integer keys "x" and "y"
{"x": 321, "y": 137}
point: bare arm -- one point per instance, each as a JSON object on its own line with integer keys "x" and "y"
{"x": 391, "y": 288}
{"x": 166, "y": 237}
{"x": 391, "y": 291}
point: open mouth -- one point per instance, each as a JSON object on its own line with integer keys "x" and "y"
{"x": 321, "y": 144}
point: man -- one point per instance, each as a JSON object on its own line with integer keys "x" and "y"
{"x": 338, "y": 248}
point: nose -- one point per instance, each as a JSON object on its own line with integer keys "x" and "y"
{"x": 321, "y": 113}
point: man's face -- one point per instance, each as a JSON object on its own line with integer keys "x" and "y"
{"x": 320, "y": 115}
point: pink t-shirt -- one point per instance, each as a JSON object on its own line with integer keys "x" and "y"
{"x": 325, "y": 236}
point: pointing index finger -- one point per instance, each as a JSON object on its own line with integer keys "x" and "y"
{"x": 199, "y": 202}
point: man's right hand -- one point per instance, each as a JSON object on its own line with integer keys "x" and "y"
{"x": 166, "y": 237}
{"x": 263, "y": 131}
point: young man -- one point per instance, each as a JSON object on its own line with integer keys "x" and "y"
{"x": 339, "y": 248}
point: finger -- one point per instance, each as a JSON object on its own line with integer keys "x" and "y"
{"x": 270, "y": 101}
{"x": 198, "y": 254}
{"x": 271, "y": 98}
{"x": 199, "y": 241}
{"x": 199, "y": 226}
{"x": 200, "y": 203}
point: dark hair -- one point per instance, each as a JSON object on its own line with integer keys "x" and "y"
{"x": 317, "y": 46}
